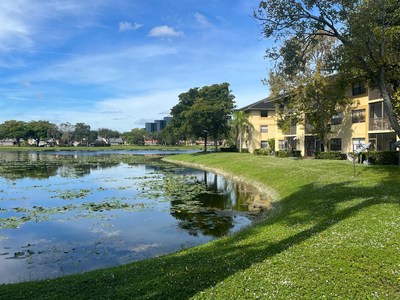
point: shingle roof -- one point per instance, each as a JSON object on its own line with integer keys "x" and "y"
{"x": 268, "y": 103}
{"x": 264, "y": 104}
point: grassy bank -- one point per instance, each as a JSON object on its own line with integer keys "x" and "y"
{"x": 330, "y": 235}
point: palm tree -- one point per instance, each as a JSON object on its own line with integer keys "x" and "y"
{"x": 240, "y": 122}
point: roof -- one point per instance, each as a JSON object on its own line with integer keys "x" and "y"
{"x": 268, "y": 103}
{"x": 264, "y": 104}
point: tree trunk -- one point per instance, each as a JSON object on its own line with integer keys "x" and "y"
{"x": 387, "y": 100}
{"x": 240, "y": 142}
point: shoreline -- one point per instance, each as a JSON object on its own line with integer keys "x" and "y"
{"x": 265, "y": 191}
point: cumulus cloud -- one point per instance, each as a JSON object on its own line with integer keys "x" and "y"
{"x": 202, "y": 20}
{"x": 165, "y": 31}
{"x": 125, "y": 26}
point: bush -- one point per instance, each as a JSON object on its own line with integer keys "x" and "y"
{"x": 288, "y": 153}
{"x": 381, "y": 157}
{"x": 282, "y": 153}
{"x": 262, "y": 151}
{"x": 245, "y": 150}
{"x": 271, "y": 144}
{"x": 229, "y": 149}
{"x": 334, "y": 155}
{"x": 296, "y": 153}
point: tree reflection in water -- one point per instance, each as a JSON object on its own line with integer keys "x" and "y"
{"x": 61, "y": 212}
{"x": 213, "y": 212}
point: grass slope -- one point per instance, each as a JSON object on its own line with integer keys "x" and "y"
{"x": 331, "y": 235}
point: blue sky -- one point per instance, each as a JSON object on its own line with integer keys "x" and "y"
{"x": 120, "y": 63}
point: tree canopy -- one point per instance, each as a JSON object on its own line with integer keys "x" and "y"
{"x": 365, "y": 34}
{"x": 63, "y": 134}
{"x": 17, "y": 130}
{"x": 312, "y": 95}
{"x": 135, "y": 136}
{"x": 203, "y": 111}
{"x": 41, "y": 130}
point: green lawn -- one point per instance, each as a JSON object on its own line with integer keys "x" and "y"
{"x": 330, "y": 235}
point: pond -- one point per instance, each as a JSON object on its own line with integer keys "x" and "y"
{"x": 63, "y": 213}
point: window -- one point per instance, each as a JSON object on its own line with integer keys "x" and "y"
{"x": 264, "y": 113}
{"x": 264, "y": 128}
{"x": 264, "y": 144}
{"x": 358, "y": 115}
{"x": 336, "y": 144}
{"x": 359, "y": 88}
{"x": 337, "y": 119}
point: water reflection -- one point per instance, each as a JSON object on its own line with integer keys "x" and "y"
{"x": 62, "y": 214}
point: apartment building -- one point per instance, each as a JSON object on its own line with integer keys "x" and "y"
{"x": 363, "y": 121}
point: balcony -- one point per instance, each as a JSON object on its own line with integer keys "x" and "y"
{"x": 376, "y": 124}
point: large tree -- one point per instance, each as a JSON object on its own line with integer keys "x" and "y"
{"x": 178, "y": 127}
{"x": 210, "y": 113}
{"x": 66, "y": 131}
{"x": 366, "y": 35}
{"x": 203, "y": 112}
{"x": 312, "y": 95}
{"x": 108, "y": 133}
{"x": 13, "y": 129}
{"x": 82, "y": 134}
{"x": 135, "y": 136}
{"x": 41, "y": 130}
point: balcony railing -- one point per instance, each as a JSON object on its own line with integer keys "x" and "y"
{"x": 379, "y": 124}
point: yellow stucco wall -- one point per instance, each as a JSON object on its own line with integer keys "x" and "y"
{"x": 346, "y": 131}
{"x": 256, "y": 135}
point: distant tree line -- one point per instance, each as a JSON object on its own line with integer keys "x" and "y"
{"x": 200, "y": 113}
{"x": 66, "y": 134}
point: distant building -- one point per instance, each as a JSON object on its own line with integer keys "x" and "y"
{"x": 157, "y": 125}
{"x": 150, "y": 127}
{"x": 7, "y": 142}
{"x": 160, "y": 125}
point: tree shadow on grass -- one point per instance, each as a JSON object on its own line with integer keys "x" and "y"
{"x": 308, "y": 212}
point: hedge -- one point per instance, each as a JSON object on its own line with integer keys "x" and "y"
{"x": 262, "y": 151}
{"x": 288, "y": 153}
{"x": 229, "y": 149}
{"x": 334, "y": 155}
{"x": 381, "y": 157}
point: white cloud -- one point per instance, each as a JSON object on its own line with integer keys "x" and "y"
{"x": 28, "y": 23}
{"x": 101, "y": 68}
{"x": 13, "y": 31}
{"x": 125, "y": 26}
{"x": 202, "y": 20}
{"x": 165, "y": 31}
